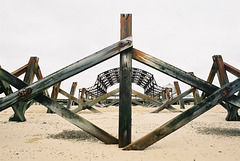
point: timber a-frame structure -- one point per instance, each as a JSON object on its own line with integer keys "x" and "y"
{"x": 213, "y": 94}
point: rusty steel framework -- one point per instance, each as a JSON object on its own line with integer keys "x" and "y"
{"x": 111, "y": 77}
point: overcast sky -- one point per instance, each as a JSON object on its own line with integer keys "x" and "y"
{"x": 183, "y": 33}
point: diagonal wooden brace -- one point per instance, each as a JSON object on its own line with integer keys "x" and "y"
{"x": 180, "y": 75}
{"x": 173, "y": 100}
{"x": 98, "y": 99}
{"x": 73, "y": 69}
{"x": 174, "y": 124}
{"x": 62, "y": 111}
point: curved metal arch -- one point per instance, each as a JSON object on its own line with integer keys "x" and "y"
{"x": 140, "y": 77}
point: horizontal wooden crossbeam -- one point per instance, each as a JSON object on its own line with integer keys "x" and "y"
{"x": 174, "y": 124}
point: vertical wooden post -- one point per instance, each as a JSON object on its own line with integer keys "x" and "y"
{"x": 178, "y": 91}
{"x": 72, "y": 92}
{"x": 125, "y": 111}
{"x": 196, "y": 96}
{"x": 223, "y": 79}
{"x": 167, "y": 93}
{"x": 20, "y": 107}
{"x": 163, "y": 94}
{"x": 54, "y": 94}
{"x": 82, "y": 96}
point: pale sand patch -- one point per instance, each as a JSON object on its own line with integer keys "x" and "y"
{"x": 48, "y": 137}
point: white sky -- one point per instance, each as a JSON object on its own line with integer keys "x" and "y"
{"x": 183, "y": 33}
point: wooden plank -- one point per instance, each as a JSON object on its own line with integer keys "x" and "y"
{"x": 67, "y": 72}
{"x": 62, "y": 111}
{"x": 8, "y": 90}
{"x": 167, "y": 93}
{"x": 136, "y": 102}
{"x": 125, "y": 87}
{"x": 232, "y": 69}
{"x": 173, "y": 100}
{"x": 185, "y": 117}
{"x": 210, "y": 78}
{"x": 96, "y": 100}
{"x": 178, "y": 91}
{"x": 180, "y": 74}
{"x": 196, "y": 96}
{"x": 145, "y": 97}
{"x": 21, "y": 107}
{"x": 72, "y": 92}
{"x": 223, "y": 79}
{"x": 54, "y": 95}
{"x": 20, "y": 71}
{"x": 81, "y": 104}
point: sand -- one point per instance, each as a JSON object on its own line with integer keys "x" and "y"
{"x": 48, "y": 137}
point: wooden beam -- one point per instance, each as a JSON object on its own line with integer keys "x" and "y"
{"x": 136, "y": 102}
{"x": 185, "y": 117}
{"x": 232, "y": 69}
{"x": 72, "y": 92}
{"x": 173, "y": 100}
{"x": 66, "y": 72}
{"x": 21, "y": 107}
{"x": 96, "y": 100}
{"x": 223, "y": 79}
{"x": 196, "y": 96}
{"x": 20, "y": 71}
{"x": 210, "y": 78}
{"x": 180, "y": 74}
{"x": 54, "y": 95}
{"x": 145, "y": 97}
{"x": 63, "y": 112}
{"x": 125, "y": 95}
{"x": 178, "y": 91}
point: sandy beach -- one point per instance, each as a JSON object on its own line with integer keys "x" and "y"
{"x": 49, "y": 137}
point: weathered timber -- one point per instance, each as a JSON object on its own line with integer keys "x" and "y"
{"x": 145, "y": 97}
{"x": 69, "y": 96}
{"x": 125, "y": 87}
{"x": 178, "y": 91}
{"x": 67, "y": 72}
{"x": 185, "y": 117}
{"x": 136, "y": 102}
{"x": 72, "y": 92}
{"x": 167, "y": 93}
{"x": 163, "y": 94}
{"x": 112, "y": 103}
{"x": 196, "y": 96}
{"x": 20, "y": 71}
{"x": 232, "y": 69}
{"x": 81, "y": 104}
{"x": 173, "y": 100}
{"x": 223, "y": 79}
{"x": 21, "y": 107}
{"x": 96, "y": 100}
{"x": 62, "y": 111}
{"x": 210, "y": 78}
{"x": 8, "y": 90}
{"x": 180, "y": 74}
{"x": 54, "y": 95}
